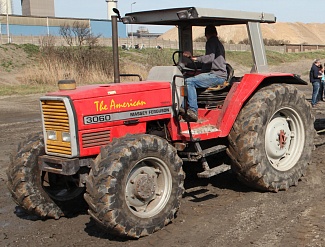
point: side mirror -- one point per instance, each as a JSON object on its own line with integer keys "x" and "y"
{"x": 117, "y": 12}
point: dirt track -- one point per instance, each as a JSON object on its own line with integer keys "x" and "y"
{"x": 215, "y": 212}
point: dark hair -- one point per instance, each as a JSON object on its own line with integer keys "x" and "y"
{"x": 210, "y": 29}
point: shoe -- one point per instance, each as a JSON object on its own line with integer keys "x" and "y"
{"x": 191, "y": 116}
{"x": 181, "y": 111}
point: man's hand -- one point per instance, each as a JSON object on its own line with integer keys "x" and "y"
{"x": 187, "y": 54}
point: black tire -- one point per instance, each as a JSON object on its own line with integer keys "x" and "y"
{"x": 26, "y": 183}
{"x": 271, "y": 140}
{"x": 135, "y": 186}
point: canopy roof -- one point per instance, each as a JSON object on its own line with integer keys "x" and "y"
{"x": 198, "y": 17}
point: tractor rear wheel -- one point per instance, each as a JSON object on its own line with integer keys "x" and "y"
{"x": 135, "y": 186}
{"x": 272, "y": 139}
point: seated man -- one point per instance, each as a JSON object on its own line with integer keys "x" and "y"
{"x": 213, "y": 70}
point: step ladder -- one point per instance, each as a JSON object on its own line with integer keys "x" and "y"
{"x": 210, "y": 172}
{"x": 200, "y": 155}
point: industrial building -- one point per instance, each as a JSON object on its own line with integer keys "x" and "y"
{"x": 6, "y": 7}
{"x": 38, "y": 19}
{"x": 16, "y": 25}
{"x": 38, "y": 8}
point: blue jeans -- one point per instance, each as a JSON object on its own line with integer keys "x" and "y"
{"x": 204, "y": 80}
{"x": 321, "y": 90}
{"x": 314, "y": 98}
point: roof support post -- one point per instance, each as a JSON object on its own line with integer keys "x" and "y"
{"x": 185, "y": 38}
{"x": 257, "y": 47}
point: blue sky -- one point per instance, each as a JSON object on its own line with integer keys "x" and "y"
{"x": 285, "y": 10}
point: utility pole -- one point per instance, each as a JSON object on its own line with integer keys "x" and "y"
{"x": 131, "y": 27}
{"x": 8, "y": 31}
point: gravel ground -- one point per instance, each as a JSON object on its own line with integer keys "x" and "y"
{"x": 215, "y": 212}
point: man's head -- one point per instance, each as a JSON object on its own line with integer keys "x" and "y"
{"x": 317, "y": 62}
{"x": 210, "y": 30}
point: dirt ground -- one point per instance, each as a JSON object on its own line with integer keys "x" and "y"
{"x": 219, "y": 211}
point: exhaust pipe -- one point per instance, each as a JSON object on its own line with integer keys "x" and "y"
{"x": 115, "y": 50}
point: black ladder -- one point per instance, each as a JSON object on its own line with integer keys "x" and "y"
{"x": 210, "y": 172}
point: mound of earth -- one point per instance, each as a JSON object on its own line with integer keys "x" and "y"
{"x": 13, "y": 62}
{"x": 295, "y": 33}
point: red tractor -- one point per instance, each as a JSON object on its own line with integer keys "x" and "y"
{"x": 121, "y": 146}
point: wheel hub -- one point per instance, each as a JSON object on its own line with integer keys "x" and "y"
{"x": 277, "y": 138}
{"x": 282, "y": 139}
{"x": 144, "y": 186}
{"x": 148, "y": 187}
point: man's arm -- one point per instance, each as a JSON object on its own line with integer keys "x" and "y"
{"x": 213, "y": 50}
{"x": 316, "y": 74}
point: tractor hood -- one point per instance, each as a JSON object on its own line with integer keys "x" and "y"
{"x": 102, "y": 90}
{"x": 95, "y": 114}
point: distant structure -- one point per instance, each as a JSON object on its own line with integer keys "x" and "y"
{"x": 143, "y": 32}
{"x": 38, "y": 8}
{"x": 110, "y": 5}
{"x": 6, "y": 7}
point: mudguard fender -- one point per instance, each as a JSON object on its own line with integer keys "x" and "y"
{"x": 241, "y": 91}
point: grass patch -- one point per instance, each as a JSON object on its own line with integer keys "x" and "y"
{"x": 149, "y": 57}
{"x": 25, "y": 89}
{"x": 241, "y": 57}
{"x": 44, "y": 67}
{"x": 7, "y": 65}
{"x": 3, "y": 47}
{"x": 31, "y": 50}
{"x": 276, "y": 58}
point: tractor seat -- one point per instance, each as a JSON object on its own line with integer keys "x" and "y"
{"x": 215, "y": 95}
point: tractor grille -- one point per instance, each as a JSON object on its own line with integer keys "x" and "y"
{"x": 56, "y": 119}
{"x": 96, "y": 139}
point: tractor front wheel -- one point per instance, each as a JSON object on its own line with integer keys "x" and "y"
{"x": 25, "y": 180}
{"x": 135, "y": 187}
{"x": 40, "y": 193}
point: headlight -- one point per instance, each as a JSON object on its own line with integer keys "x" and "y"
{"x": 66, "y": 137}
{"x": 51, "y": 135}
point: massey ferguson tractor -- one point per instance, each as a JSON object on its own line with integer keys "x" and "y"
{"x": 122, "y": 146}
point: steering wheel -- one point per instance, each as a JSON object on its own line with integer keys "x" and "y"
{"x": 182, "y": 67}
